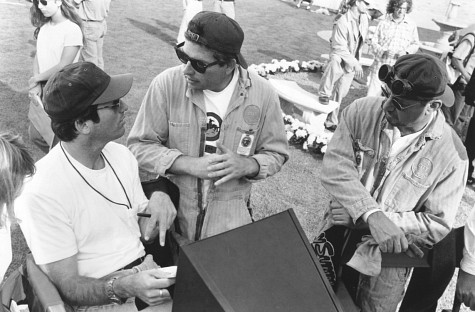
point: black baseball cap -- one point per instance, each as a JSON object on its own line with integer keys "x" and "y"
{"x": 70, "y": 91}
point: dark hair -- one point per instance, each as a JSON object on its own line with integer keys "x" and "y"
{"x": 67, "y": 8}
{"x": 66, "y": 130}
{"x": 394, "y": 4}
{"x": 221, "y": 57}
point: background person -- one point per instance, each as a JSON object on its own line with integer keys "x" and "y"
{"x": 15, "y": 164}
{"x": 395, "y": 167}
{"x": 59, "y": 39}
{"x": 349, "y": 33}
{"x": 226, "y": 7}
{"x": 212, "y": 127}
{"x": 93, "y": 14}
{"x": 463, "y": 60}
{"x": 79, "y": 212}
{"x": 395, "y": 36}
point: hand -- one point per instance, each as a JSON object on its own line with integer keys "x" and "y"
{"x": 229, "y": 165}
{"x": 35, "y": 90}
{"x": 340, "y": 215}
{"x": 32, "y": 82}
{"x": 390, "y": 238}
{"x": 147, "y": 264}
{"x": 465, "y": 290}
{"x": 359, "y": 71}
{"x": 163, "y": 213}
{"x": 148, "y": 285}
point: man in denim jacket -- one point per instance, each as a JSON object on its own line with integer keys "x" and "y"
{"x": 211, "y": 127}
{"x": 396, "y": 167}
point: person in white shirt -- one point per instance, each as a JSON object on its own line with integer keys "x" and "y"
{"x": 15, "y": 164}
{"x": 80, "y": 212}
{"x": 59, "y": 38}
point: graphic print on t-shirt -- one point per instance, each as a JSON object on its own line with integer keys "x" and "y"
{"x": 212, "y": 132}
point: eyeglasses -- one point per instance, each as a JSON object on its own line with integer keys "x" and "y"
{"x": 387, "y": 94}
{"x": 401, "y": 8}
{"x": 115, "y": 104}
{"x": 197, "y": 65}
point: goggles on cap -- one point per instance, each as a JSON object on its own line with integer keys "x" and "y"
{"x": 197, "y": 65}
{"x": 399, "y": 87}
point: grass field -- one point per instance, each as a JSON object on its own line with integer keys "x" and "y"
{"x": 140, "y": 41}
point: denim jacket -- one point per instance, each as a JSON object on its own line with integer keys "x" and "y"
{"x": 419, "y": 189}
{"x": 172, "y": 122}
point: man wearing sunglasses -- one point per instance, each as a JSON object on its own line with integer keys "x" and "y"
{"x": 212, "y": 127}
{"x": 394, "y": 167}
{"x": 79, "y": 210}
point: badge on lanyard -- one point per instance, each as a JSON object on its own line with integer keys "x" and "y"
{"x": 245, "y": 144}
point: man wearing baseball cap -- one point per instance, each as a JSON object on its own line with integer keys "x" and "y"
{"x": 79, "y": 211}
{"x": 212, "y": 127}
{"x": 395, "y": 168}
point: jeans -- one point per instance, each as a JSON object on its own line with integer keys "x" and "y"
{"x": 382, "y": 293}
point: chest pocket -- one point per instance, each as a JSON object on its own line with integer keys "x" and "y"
{"x": 411, "y": 186}
{"x": 179, "y": 136}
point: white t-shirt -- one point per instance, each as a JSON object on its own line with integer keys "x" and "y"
{"x": 51, "y": 41}
{"x": 216, "y": 107}
{"x": 5, "y": 245}
{"x": 61, "y": 215}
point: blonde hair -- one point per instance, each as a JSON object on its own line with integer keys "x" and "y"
{"x": 15, "y": 164}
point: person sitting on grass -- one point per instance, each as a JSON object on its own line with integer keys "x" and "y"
{"x": 15, "y": 164}
{"x": 79, "y": 211}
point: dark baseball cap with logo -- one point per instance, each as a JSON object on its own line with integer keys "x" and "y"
{"x": 218, "y": 32}
{"x": 76, "y": 87}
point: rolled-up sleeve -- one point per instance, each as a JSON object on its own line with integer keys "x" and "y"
{"x": 272, "y": 148}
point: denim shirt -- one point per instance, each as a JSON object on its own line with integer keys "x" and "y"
{"x": 419, "y": 189}
{"x": 172, "y": 122}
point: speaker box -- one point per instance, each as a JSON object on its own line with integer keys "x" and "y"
{"x": 268, "y": 265}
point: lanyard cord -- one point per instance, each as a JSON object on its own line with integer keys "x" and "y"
{"x": 120, "y": 204}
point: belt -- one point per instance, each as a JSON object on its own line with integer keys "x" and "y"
{"x": 132, "y": 264}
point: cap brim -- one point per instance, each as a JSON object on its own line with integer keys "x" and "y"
{"x": 448, "y": 98}
{"x": 118, "y": 87}
{"x": 242, "y": 61}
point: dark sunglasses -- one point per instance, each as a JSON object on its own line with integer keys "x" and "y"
{"x": 115, "y": 104}
{"x": 43, "y": 2}
{"x": 387, "y": 94}
{"x": 197, "y": 65}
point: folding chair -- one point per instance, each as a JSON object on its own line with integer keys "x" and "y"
{"x": 29, "y": 285}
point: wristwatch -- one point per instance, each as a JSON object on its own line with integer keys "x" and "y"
{"x": 113, "y": 298}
